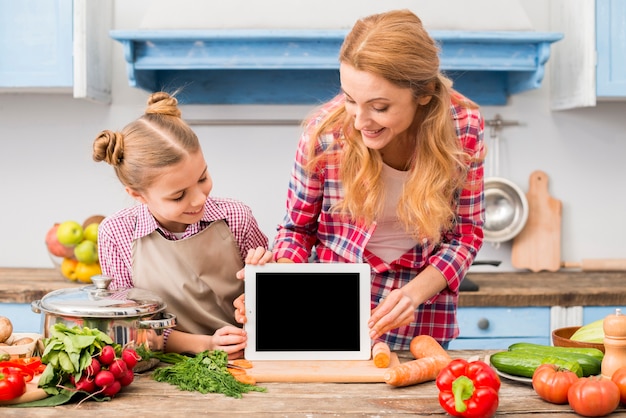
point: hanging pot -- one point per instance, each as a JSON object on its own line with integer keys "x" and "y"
{"x": 130, "y": 316}
{"x": 506, "y": 210}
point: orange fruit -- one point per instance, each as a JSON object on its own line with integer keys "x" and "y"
{"x": 84, "y": 272}
{"x": 68, "y": 268}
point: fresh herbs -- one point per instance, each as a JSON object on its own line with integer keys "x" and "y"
{"x": 205, "y": 373}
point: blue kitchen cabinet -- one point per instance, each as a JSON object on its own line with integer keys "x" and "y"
{"x": 56, "y": 46}
{"x": 611, "y": 48}
{"x": 22, "y": 317}
{"x": 593, "y": 313}
{"x": 499, "y": 327}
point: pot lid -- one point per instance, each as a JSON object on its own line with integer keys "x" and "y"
{"x": 97, "y": 301}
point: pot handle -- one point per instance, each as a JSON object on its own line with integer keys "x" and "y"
{"x": 35, "y": 306}
{"x": 168, "y": 320}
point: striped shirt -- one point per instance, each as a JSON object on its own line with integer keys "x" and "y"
{"x": 309, "y": 223}
{"x": 117, "y": 233}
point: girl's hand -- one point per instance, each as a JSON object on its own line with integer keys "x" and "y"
{"x": 240, "y": 309}
{"x": 230, "y": 339}
{"x": 396, "y": 310}
{"x": 256, "y": 256}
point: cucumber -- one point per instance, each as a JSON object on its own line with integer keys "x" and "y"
{"x": 593, "y": 352}
{"x": 591, "y": 365}
{"x": 523, "y": 364}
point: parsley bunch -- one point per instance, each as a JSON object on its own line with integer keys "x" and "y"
{"x": 205, "y": 373}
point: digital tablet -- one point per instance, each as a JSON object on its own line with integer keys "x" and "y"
{"x": 308, "y": 311}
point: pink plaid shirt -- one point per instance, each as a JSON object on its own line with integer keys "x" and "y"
{"x": 117, "y": 233}
{"x": 309, "y": 223}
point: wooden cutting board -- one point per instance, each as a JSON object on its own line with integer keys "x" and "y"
{"x": 339, "y": 371}
{"x": 33, "y": 393}
{"x": 538, "y": 246}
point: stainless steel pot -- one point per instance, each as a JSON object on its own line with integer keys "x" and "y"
{"x": 131, "y": 317}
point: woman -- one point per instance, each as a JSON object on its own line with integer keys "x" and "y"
{"x": 390, "y": 172}
{"x": 181, "y": 243}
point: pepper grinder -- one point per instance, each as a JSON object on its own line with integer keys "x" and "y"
{"x": 614, "y": 326}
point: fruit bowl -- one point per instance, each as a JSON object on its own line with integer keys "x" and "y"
{"x": 561, "y": 338}
{"x": 73, "y": 248}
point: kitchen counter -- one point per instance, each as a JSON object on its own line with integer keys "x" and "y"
{"x": 148, "y": 398}
{"x": 511, "y": 289}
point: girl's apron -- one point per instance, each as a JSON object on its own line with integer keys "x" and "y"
{"x": 195, "y": 276}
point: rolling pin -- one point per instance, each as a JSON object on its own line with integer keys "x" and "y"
{"x": 599, "y": 264}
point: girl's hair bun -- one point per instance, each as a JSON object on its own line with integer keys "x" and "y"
{"x": 162, "y": 103}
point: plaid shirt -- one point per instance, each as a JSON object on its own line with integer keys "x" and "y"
{"x": 309, "y": 223}
{"x": 117, "y": 233}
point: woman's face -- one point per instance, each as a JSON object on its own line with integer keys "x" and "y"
{"x": 381, "y": 110}
{"x": 177, "y": 197}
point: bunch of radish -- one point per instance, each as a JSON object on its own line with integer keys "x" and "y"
{"x": 107, "y": 374}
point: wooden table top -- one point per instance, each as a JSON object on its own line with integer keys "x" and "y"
{"x": 147, "y": 398}
{"x": 23, "y": 285}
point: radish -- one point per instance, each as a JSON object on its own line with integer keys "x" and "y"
{"x": 112, "y": 389}
{"x": 86, "y": 384}
{"x": 127, "y": 378}
{"x": 118, "y": 368}
{"x": 104, "y": 378}
{"x": 131, "y": 357}
{"x": 107, "y": 355}
{"x": 94, "y": 368}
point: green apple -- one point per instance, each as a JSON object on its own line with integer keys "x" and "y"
{"x": 86, "y": 252}
{"x": 91, "y": 232}
{"x": 54, "y": 246}
{"x": 70, "y": 233}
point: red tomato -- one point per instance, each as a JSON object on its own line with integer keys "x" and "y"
{"x": 619, "y": 377}
{"x": 552, "y": 383}
{"x": 593, "y": 396}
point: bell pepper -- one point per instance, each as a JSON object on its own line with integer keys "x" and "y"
{"x": 15, "y": 367}
{"x": 468, "y": 389}
{"x": 12, "y": 384}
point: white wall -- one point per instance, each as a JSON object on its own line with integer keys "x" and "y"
{"x": 47, "y": 175}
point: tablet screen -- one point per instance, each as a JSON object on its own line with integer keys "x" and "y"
{"x": 308, "y": 311}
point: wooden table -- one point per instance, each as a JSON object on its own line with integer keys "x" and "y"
{"x": 148, "y": 398}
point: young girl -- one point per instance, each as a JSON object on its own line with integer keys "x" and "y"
{"x": 184, "y": 245}
{"x": 390, "y": 172}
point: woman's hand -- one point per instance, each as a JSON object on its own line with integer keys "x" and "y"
{"x": 256, "y": 256}
{"x": 396, "y": 310}
{"x": 240, "y": 309}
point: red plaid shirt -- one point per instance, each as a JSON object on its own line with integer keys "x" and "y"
{"x": 309, "y": 223}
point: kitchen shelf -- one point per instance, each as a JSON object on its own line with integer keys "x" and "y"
{"x": 301, "y": 66}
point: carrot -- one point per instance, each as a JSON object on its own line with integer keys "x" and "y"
{"x": 243, "y": 377}
{"x": 416, "y": 371}
{"x": 381, "y": 354}
{"x": 426, "y": 346}
{"x": 241, "y": 362}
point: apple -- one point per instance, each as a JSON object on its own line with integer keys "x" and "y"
{"x": 70, "y": 233}
{"x": 84, "y": 272}
{"x": 86, "y": 252}
{"x": 54, "y": 246}
{"x": 91, "y": 232}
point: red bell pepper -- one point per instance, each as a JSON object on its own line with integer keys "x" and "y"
{"x": 468, "y": 389}
{"x": 12, "y": 384}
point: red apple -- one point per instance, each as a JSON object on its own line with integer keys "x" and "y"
{"x": 54, "y": 246}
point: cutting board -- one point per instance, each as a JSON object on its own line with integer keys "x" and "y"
{"x": 335, "y": 371}
{"x": 538, "y": 246}
{"x": 33, "y": 393}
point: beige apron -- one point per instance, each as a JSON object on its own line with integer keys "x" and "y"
{"x": 195, "y": 276}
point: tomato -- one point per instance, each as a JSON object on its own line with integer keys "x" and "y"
{"x": 619, "y": 377}
{"x": 552, "y": 383}
{"x": 593, "y": 396}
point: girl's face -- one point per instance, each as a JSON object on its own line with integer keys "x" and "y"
{"x": 177, "y": 197}
{"x": 381, "y": 110}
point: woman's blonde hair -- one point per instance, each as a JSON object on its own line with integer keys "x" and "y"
{"x": 157, "y": 139}
{"x": 396, "y": 46}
